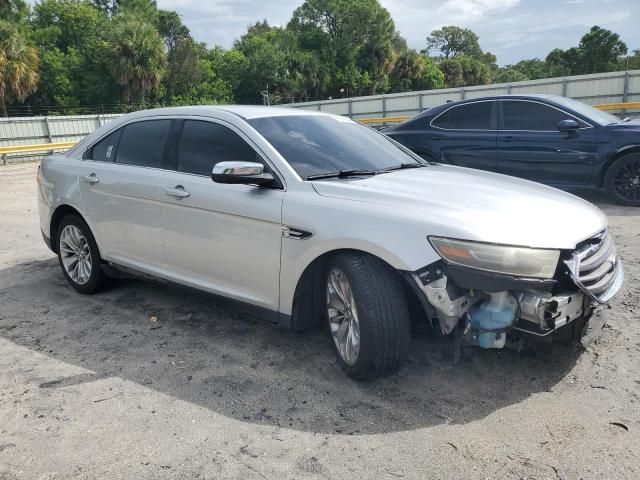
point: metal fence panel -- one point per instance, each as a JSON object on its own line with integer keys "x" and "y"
{"x": 612, "y": 87}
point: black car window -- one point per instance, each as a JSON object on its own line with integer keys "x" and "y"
{"x": 142, "y": 143}
{"x": 523, "y": 115}
{"x": 470, "y": 116}
{"x": 105, "y": 149}
{"x": 203, "y": 144}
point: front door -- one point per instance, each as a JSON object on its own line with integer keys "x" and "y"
{"x": 119, "y": 190}
{"x": 221, "y": 238}
{"x": 530, "y": 145}
{"x": 465, "y": 135}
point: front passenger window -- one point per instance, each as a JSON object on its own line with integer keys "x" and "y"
{"x": 203, "y": 144}
{"x": 531, "y": 116}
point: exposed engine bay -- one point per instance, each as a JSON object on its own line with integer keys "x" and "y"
{"x": 482, "y": 306}
{"x": 487, "y": 316}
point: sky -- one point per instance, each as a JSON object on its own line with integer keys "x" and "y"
{"x": 511, "y": 29}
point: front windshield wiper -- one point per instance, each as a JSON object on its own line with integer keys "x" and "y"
{"x": 401, "y": 166}
{"x": 342, "y": 174}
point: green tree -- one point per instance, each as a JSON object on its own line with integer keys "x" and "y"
{"x": 452, "y": 41}
{"x": 413, "y": 71}
{"x": 143, "y": 10}
{"x": 14, "y": 12}
{"x": 532, "y": 69}
{"x": 599, "y": 51}
{"x": 136, "y": 57}
{"x": 18, "y": 67}
{"x": 171, "y": 28}
{"x": 508, "y": 74}
{"x": 631, "y": 62}
{"x": 356, "y": 37}
{"x": 71, "y": 39}
{"x": 110, "y": 7}
{"x": 464, "y": 71}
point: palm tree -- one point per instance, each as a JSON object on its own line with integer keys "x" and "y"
{"x": 18, "y": 69}
{"x": 136, "y": 57}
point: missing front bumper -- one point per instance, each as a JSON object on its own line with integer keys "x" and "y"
{"x": 485, "y": 321}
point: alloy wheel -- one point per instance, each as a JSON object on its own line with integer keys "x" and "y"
{"x": 343, "y": 316}
{"x": 75, "y": 254}
{"x": 626, "y": 180}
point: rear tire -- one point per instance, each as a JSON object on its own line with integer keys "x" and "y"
{"x": 79, "y": 256}
{"x": 379, "y": 322}
{"x": 622, "y": 180}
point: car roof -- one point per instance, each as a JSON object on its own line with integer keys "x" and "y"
{"x": 245, "y": 111}
{"x": 535, "y": 96}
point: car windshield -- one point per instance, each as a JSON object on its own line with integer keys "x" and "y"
{"x": 315, "y": 145}
{"x": 598, "y": 116}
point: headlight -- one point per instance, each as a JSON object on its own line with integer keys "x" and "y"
{"x": 517, "y": 261}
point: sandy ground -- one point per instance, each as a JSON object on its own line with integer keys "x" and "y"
{"x": 91, "y": 388}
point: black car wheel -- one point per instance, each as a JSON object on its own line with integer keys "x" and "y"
{"x": 622, "y": 180}
{"x": 79, "y": 256}
{"x": 367, "y": 314}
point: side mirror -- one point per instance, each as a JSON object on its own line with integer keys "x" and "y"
{"x": 245, "y": 173}
{"x": 568, "y": 125}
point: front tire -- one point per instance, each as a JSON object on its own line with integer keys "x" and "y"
{"x": 367, "y": 314}
{"x": 622, "y": 180}
{"x": 79, "y": 256}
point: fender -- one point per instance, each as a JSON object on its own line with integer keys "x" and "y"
{"x": 296, "y": 257}
{"x": 631, "y": 148}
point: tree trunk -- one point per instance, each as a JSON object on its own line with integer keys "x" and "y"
{"x": 3, "y": 107}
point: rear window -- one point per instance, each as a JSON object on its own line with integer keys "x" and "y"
{"x": 142, "y": 143}
{"x": 470, "y": 116}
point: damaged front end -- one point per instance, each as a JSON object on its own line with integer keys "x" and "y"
{"x": 536, "y": 292}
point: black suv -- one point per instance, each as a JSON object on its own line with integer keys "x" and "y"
{"x": 544, "y": 138}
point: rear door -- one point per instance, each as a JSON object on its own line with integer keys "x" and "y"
{"x": 465, "y": 135}
{"x": 221, "y": 238}
{"x": 530, "y": 145}
{"x": 119, "y": 188}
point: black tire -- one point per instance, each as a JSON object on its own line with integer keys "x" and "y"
{"x": 622, "y": 180}
{"x": 383, "y": 315}
{"x": 97, "y": 279}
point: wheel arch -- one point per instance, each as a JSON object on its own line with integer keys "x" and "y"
{"x": 307, "y": 311}
{"x": 626, "y": 150}
{"x": 59, "y": 213}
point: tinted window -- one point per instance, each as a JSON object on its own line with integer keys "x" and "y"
{"x": 142, "y": 143}
{"x": 472, "y": 116}
{"x": 105, "y": 149}
{"x": 203, "y": 144}
{"x": 316, "y": 144}
{"x": 531, "y": 116}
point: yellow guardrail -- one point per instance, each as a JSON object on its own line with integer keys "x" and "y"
{"x": 49, "y": 147}
{"x": 384, "y": 119}
{"x": 618, "y": 106}
{"x": 43, "y": 147}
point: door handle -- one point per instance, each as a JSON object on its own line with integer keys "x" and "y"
{"x": 508, "y": 138}
{"x": 178, "y": 192}
{"x": 91, "y": 179}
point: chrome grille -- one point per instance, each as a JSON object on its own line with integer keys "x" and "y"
{"x": 596, "y": 269}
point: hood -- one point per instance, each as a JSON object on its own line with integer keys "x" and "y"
{"x": 475, "y": 205}
{"x": 624, "y": 128}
